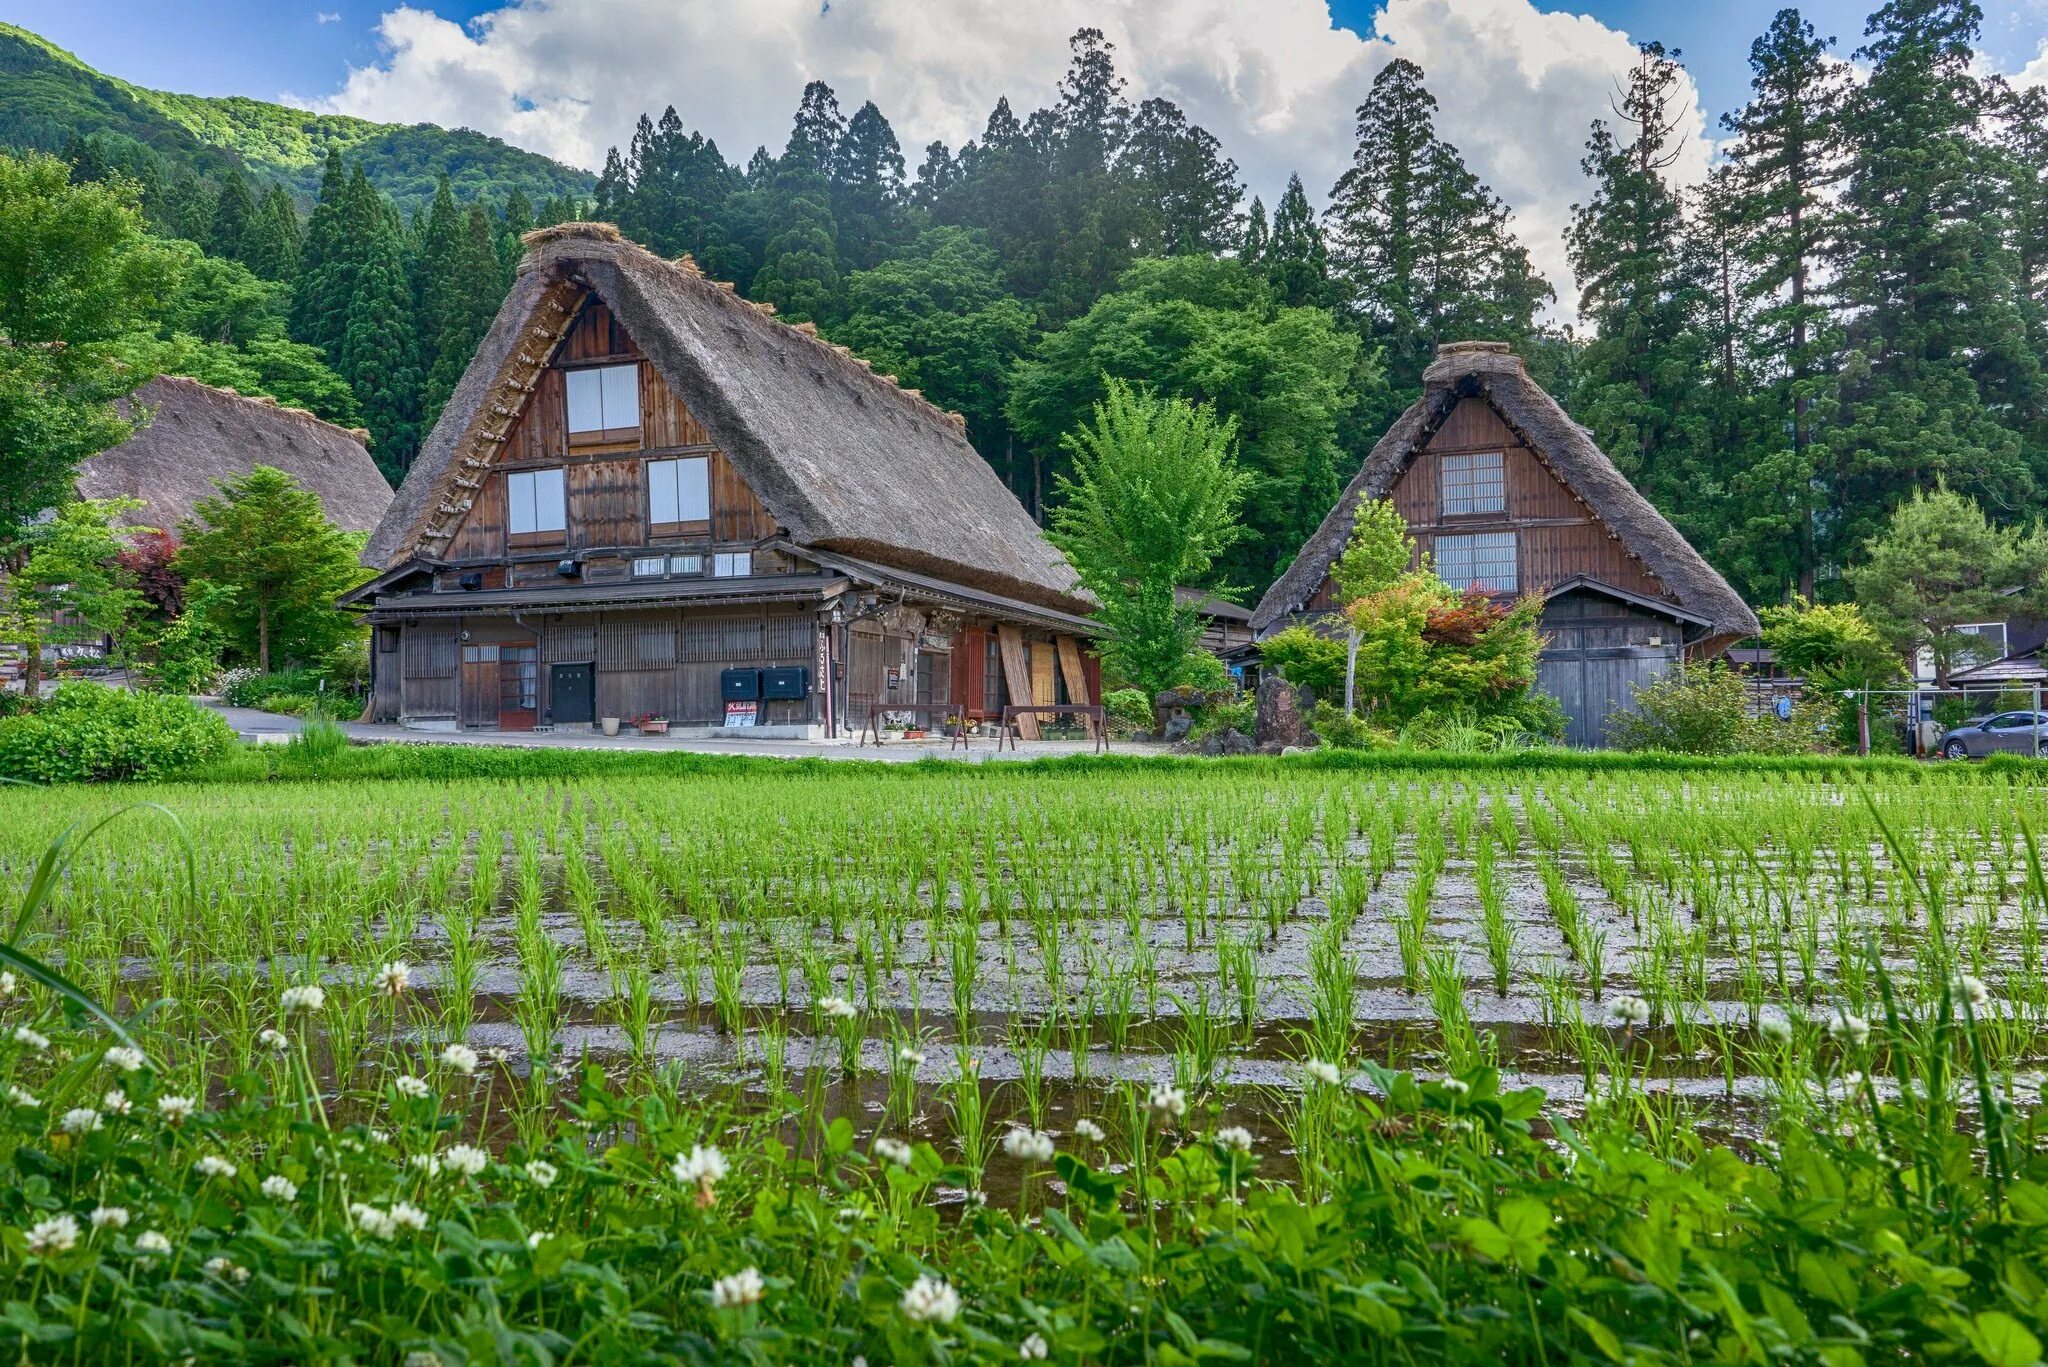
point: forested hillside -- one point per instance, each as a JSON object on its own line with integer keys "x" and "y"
{"x": 49, "y": 100}
{"x": 1852, "y": 309}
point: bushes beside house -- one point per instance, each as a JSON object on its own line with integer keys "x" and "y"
{"x": 86, "y": 733}
{"x": 1705, "y": 711}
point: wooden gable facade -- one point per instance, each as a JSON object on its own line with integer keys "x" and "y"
{"x": 599, "y": 553}
{"x": 1506, "y": 494}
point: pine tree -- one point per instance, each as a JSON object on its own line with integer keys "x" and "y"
{"x": 316, "y": 254}
{"x": 1298, "y": 259}
{"x": 2024, "y": 144}
{"x": 514, "y": 223}
{"x": 819, "y": 127}
{"x": 1787, "y": 156}
{"x": 1937, "y": 347}
{"x": 1257, "y": 236}
{"x": 272, "y": 246}
{"x": 867, "y": 189}
{"x": 234, "y": 218}
{"x": 1185, "y": 185}
{"x": 376, "y": 348}
{"x": 1640, "y": 291}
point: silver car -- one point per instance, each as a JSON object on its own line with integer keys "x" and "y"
{"x": 2010, "y": 733}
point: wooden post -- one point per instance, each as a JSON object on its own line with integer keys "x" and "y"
{"x": 2036, "y": 719}
{"x": 1863, "y": 723}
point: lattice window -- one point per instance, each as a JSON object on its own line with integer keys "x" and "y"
{"x": 570, "y": 644}
{"x": 1473, "y": 484}
{"x": 429, "y": 653}
{"x": 1485, "y": 561}
{"x": 789, "y": 638}
{"x": 721, "y": 639}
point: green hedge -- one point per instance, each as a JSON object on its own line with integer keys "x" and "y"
{"x": 86, "y": 733}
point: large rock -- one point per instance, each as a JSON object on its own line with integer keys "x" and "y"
{"x": 1178, "y": 724}
{"x": 1283, "y": 713}
{"x": 1226, "y": 741}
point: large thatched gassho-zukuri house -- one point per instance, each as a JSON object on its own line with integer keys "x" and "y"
{"x": 650, "y": 499}
{"x": 1505, "y": 492}
{"x": 197, "y": 435}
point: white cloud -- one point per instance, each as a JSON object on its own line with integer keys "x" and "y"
{"x": 327, "y": 16}
{"x": 1276, "y": 80}
{"x": 2034, "y": 72}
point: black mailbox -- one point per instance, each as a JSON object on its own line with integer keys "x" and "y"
{"x": 787, "y": 681}
{"x": 740, "y": 685}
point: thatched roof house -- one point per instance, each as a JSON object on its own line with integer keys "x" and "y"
{"x": 1506, "y": 492}
{"x": 197, "y": 435}
{"x": 645, "y": 458}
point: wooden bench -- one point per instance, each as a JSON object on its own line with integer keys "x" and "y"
{"x": 954, "y": 712}
{"x": 1092, "y": 711}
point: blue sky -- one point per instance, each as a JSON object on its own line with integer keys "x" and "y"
{"x": 264, "y": 48}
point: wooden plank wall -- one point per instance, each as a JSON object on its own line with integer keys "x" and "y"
{"x": 607, "y": 503}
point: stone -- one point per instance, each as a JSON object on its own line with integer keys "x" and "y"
{"x": 1226, "y": 740}
{"x": 1282, "y": 716}
{"x": 1178, "y": 724}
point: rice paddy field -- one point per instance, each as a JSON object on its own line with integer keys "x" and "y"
{"x": 922, "y": 1029}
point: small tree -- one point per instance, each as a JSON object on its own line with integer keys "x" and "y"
{"x": 1940, "y": 564}
{"x": 72, "y": 585}
{"x": 1374, "y": 559}
{"x": 1153, "y": 500}
{"x": 269, "y": 540}
{"x": 1426, "y": 648}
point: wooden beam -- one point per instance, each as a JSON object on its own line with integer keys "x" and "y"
{"x": 1017, "y": 675}
{"x": 1070, "y": 669}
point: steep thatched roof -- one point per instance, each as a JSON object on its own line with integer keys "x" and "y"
{"x": 198, "y": 435}
{"x": 843, "y": 458}
{"x": 1488, "y": 370}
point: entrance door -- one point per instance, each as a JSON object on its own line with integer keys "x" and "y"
{"x": 480, "y": 685}
{"x": 572, "y": 693}
{"x": 518, "y": 687}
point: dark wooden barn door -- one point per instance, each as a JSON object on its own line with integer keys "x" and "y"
{"x": 1599, "y": 652}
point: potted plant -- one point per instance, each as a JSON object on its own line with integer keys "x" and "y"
{"x": 608, "y": 725}
{"x": 648, "y": 724}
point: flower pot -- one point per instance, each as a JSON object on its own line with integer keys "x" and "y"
{"x": 655, "y": 727}
{"x": 609, "y": 725}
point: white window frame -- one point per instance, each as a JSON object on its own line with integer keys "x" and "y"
{"x": 1474, "y": 549}
{"x": 686, "y": 564}
{"x": 732, "y": 565}
{"x": 1480, "y": 481}
{"x": 650, "y": 566}
{"x": 679, "y": 490}
{"x": 536, "y": 502}
{"x": 601, "y": 400}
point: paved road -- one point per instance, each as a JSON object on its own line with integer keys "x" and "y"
{"x": 895, "y": 751}
{"x": 264, "y": 728}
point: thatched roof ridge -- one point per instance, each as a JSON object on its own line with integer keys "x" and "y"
{"x": 843, "y": 458}
{"x": 1491, "y": 371}
{"x": 197, "y": 435}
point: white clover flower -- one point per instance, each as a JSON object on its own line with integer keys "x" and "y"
{"x": 393, "y": 978}
{"x": 1456, "y": 1086}
{"x": 58, "y": 1234}
{"x": 1630, "y": 1010}
{"x": 1316, "y": 1070}
{"x": 277, "y": 1041}
{"x": 124, "y": 1059}
{"x": 1235, "y": 1139}
{"x": 931, "y": 1301}
{"x": 149, "y": 1244}
{"x": 427, "y": 1163}
{"x": 22, "y": 1096}
{"x": 378, "y": 1136}
{"x": 498, "y": 1054}
{"x": 405, "y": 1215}
{"x": 213, "y": 1165}
{"x": 280, "y": 1188}
{"x": 1031, "y": 1146}
{"x": 838, "y": 1008}
{"x": 892, "y": 1150}
{"x": 909, "y": 1057}
{"x": 105, "y": 1216}
{"x": 465, "y": 1160}
{"x": 176, "y": 1109}
{"x": 538, "y": 1237}
{"x": 1034, "y": 1348}
{"x": 1974, "y": 989}
{"x": 33, "y": 1039}
{"x": 703, "y": 1165}
{"x": 1850, "y": 1028}
{"x": 116, "y": 1102}
{"x": 1090, "y": 1131}
{"x": 226, "y": 1268}
{"x": 1775, "y": 1030}
{"x": 461, "y": 1058}
{"x": 372, "y": 1221}
{"x": 80, "y": 1120}
{"x": 1167, "y": 1101}
{"x": 7, "y": 985}
{"x": 411, "y": 1086}
{"x": 307, "y": 999}
{"x": 743, "y": 1287}
{"x": 541, "y": 1173}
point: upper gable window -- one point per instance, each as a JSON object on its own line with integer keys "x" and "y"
{"x": 1474, "y": 484}
{"x": 679, "y": 495}
{"x": 537, "y": 506}
{"x": 604, "y": 403}
{"x": 1485, "y": 562}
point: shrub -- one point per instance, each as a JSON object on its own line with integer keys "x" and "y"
{"x": 1340, "y": 730}
{"x": 1129, "y": 711}
{"x": 1705, "y": 711}
{"x": 1240, "y": 716}
{"x": 289, "y": 704}
{"x": 1308, "y": 658}
{"x": 86, "y": 733}
{"x": 1205, "y": 673}
{"x": 247, "y": 688}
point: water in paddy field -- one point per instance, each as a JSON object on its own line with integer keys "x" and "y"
{"x": 1078, "y": 941}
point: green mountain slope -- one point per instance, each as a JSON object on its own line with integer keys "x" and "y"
{"x": 48, "y": 97}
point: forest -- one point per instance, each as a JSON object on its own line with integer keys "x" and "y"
{"x": 1851, "y": 308}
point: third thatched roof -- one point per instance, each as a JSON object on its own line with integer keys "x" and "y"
{"x": 843, "y": 458}
{"x": 1488, "y": 370}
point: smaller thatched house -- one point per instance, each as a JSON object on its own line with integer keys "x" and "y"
{"x": 650, "y": 499}
{"x": 197, "y": 436}
{"x": 1506, "y": 493}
